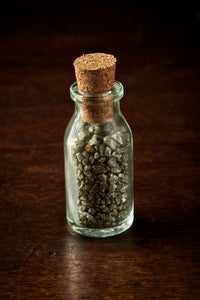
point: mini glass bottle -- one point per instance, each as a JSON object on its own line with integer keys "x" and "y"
{"x": 98, "y": 150}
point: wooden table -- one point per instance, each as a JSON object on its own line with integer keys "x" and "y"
{"x": 158, "y": 64}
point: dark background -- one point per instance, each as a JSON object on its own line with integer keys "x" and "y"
{"x": 157, "y": 46}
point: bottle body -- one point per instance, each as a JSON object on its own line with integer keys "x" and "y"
{"x": 99, "y": 172}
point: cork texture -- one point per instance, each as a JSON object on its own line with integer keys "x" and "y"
{"x": 97, "y": 113}
{"x": 95, "y": 74}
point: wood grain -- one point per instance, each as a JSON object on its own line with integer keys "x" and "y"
{"x": 158, "y": 258}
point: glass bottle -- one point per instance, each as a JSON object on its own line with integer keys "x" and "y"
{"x": 98, "y": 165}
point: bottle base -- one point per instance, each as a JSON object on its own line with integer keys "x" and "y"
{"x": 102, "y": 232}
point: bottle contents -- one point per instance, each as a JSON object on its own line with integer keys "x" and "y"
{"x": 102, "y": 164}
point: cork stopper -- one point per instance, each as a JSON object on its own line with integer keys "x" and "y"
{"x": 95, "y": 72}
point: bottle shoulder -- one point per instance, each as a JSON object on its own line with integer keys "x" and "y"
{"x": 124, "y": 124}
{"x": 113, "y": 133}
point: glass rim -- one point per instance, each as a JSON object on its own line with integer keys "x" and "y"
{"x": 111, "y": 96}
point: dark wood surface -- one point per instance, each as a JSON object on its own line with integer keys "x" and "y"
{"x": 158, "y": 64}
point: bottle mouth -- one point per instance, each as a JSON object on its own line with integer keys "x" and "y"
{"x": 111, "y": 96}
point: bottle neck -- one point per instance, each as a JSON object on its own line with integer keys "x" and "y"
{"x": 98, "y": 113}
{"x": 97, "y": 108}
